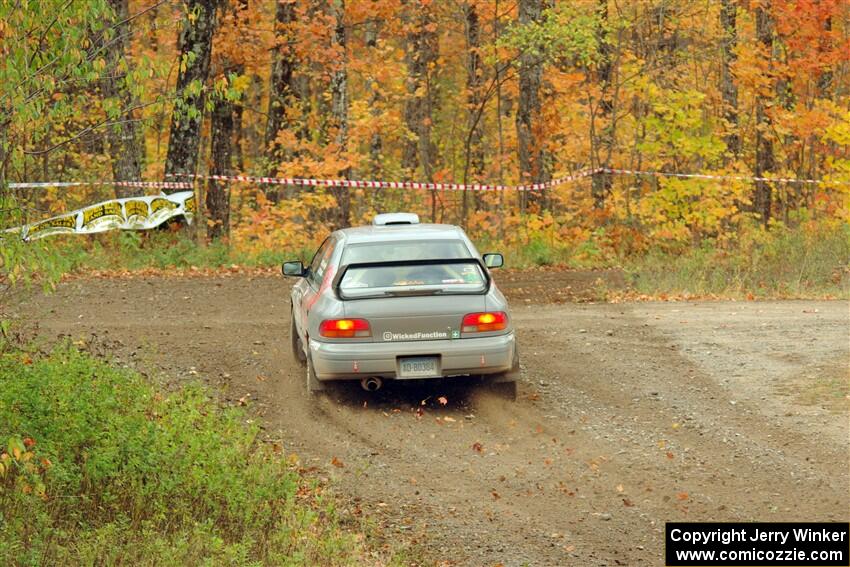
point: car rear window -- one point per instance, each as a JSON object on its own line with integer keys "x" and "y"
{"x": 413, "y": 279}
{"x": 405, "y": 250}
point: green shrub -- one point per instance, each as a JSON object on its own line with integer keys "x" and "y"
{"x": 100, "y": 467}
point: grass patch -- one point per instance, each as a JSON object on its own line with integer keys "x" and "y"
{"x": 811, "y": 261}
{"x": 130, "y": 250}
{"x": 783, "y": 263}
{"x": 830, "y": 389}
{"x": 101, "y": 467}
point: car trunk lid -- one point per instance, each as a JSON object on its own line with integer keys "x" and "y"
{"x": 415, "y": 318}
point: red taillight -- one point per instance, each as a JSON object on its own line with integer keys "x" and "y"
{"x": 482, "y": 322}
{"x": 345, "y": 328}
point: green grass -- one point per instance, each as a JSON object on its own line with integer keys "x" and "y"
{"x": 782, "y": 263}
{"x": 100, "y": 467}
{"x": 130, "y": 250}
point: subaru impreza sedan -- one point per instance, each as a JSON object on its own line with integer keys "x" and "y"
{"x": 400, "y": 300}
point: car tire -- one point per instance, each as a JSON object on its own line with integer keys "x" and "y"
{"x": 314, "y": 385}
{"x": 295, "y": 342}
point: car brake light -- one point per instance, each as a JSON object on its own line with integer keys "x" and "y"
{"x": 345, "y": 328}
{"x": 482, "y": 322}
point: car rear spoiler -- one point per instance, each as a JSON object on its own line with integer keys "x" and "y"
{"x": 391, "y": 263}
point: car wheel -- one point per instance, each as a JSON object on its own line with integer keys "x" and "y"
{"x": 313, "y": 383}
{"x": 295, "y": 342}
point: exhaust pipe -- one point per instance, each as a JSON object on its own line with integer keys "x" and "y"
{"x": 371, "y": 384}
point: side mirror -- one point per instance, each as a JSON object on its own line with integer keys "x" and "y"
{"x": 494, "y": 260}
{"x": 294, "y": 269}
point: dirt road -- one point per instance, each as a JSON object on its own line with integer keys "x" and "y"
{"x": 629, "y": 415}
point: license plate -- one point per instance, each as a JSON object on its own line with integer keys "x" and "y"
{"x": 419, "y": 367}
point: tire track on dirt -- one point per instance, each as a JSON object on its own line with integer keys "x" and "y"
{"x": 618, "y": 428}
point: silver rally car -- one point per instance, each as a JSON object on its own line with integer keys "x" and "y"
{"x": 400, "y": 300}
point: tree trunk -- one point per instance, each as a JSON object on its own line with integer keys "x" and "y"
{"x": 376, "y": 142}
{"x": 4, "y": 155}
{"x": 339, "y": 110}
{"x": 282, "y": 91}
{"x": 186, "y": 118}
{"x": 532, "y": 166}
{"x": 221, "y": 154}
{"x": 474, "y": 78}
{"x": 421, "y": 54}
{"x": 281, "y": 87}
{"x": 123, "y": 139}
{"x": 602, "y": 138}
{"x": 239, "y": 134}
{"x": 825, "y": 79}
{"x": 765, "y": 160}
{"x": 226, "y": 118}
{"x": 728, "y": 88}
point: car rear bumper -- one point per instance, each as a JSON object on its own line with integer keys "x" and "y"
{"x": 458, "y": 357}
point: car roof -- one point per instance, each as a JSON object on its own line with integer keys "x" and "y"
{"x": 397, "y": 232}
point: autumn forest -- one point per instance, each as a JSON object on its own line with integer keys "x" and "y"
{"x": 503, "y": 92}
{"x": 656, "y": 332}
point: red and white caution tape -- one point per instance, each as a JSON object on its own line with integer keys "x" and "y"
{"x": 153, "y": 184}
{"x": 351, "y": 183}
{"x": 304, "y": 182}
{"x": 726, "y": 177}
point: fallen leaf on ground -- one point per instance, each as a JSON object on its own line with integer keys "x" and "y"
{"x": 337, "y": 463}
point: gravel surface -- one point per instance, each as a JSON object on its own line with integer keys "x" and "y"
{"x": 629, "y": 415}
